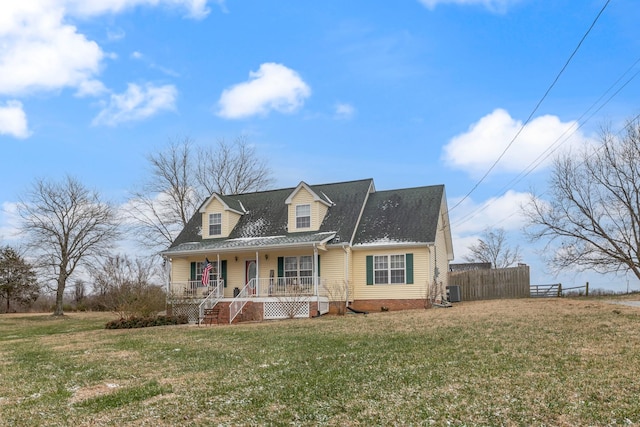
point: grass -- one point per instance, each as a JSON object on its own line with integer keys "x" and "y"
{"x": 559, "y": 362}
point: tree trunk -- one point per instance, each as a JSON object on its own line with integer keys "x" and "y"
{"x": 60, "y": 295}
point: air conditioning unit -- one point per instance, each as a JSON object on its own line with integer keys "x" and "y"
{"x": 453, "y": 293}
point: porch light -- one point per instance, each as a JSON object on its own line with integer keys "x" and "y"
{"x": 266, "y": 256}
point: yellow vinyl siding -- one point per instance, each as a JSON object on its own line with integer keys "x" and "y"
{"x": 229, "y": 219}
{"x": 180, "y": 270}
{"x": 417, "y": 290}
{"x": 332, "y": 273}
{"x": 318, "y": 211}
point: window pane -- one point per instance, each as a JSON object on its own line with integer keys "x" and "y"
{"x": 380, "y": 262}
{"x": 215, "y": 224}
{"x": 381, "y": 277}
{"x": 290, "y": 263}
{"x": 306, "y": 263}
{"x": 397, "y": 261}
{"x": 397, "y": 276}
{"x": 303, "y": 216}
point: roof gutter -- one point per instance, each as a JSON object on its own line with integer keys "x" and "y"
{"x": 391, "y": 245}
{"x": 248, "y": 248}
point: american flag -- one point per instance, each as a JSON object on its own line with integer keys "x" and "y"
{"x": 205, "y": 273}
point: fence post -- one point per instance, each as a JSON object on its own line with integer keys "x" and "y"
{"x": 559, "y": 290}
{"x": 587, "y": 290}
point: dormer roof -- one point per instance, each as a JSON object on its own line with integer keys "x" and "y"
{"x": 228, "y": 202}
{"x": 322, "y": 197}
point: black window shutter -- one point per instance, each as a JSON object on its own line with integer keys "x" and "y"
{"x": 223, "y": 267}
{"x": 409, "y": 267}
{"x": 369, "y": 269}
{"x": 193, "y": 271}
{"x": 280, "y": 266}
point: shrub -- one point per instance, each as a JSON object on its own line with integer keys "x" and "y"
{"x": 144, "y": 322}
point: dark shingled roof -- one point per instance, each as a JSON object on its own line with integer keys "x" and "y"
{"x": 401, "y": 216}
{"x": 266, "y": 216}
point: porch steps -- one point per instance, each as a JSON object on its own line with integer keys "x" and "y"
{"x": 219, "y": 315}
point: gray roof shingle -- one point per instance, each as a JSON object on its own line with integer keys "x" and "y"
{"x": 266, "y": 216}
{"x": 407, "y": 215}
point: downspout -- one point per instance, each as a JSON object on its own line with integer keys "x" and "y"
{"x": 346, "y": 277}
{"x": 316, "y": 273}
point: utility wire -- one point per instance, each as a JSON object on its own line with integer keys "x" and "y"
{"x": 526, "y": 122}
{"x": 558, "y": 142}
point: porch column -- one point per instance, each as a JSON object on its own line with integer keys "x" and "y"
{"x": 219, "y": 289}
{"x": 316, "y": 273}
{"x": 257, "y": 282}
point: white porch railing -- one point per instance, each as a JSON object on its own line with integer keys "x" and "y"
{"x": 291, "y": 287}
{"x": 212, "y": 299}
{"x": 238, "y": 303}
{"x": 286, "y": 286}
{"x": 195, "y": 289}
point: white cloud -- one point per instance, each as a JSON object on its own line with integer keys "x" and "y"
{"x": 13, "y": 120}
{"x": 504, "y": 211}
{"x": 137, "y": 103}
{"x": 344, "y": 111}
{"x": 195, "y": 8}
{"x": 470, "y": 219}
{"x": 492, "y": 5}
{"x": 272, "y": 87}
{"x": 477, "y": 149}
{"x": 40, "y": 52}
{"x": 91, "y": 88}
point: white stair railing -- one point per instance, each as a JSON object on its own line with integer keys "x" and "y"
{"x": 238, "y": 303}
{"x": 211, "y": 300}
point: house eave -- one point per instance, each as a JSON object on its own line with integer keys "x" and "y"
{"x": 248, "y": 248}
{"x": 387, "y": 245}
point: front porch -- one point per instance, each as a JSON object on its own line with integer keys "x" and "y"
{"x": 260, "y": 299}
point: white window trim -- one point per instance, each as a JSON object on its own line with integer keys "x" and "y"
{"x": 299, "y": 216}
{"x": 389, "y": 270}
{"x": 211, "y": 223}
{"x": 298, "y": 269}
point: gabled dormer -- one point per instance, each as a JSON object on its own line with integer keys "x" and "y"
{"x": 220, "y": 214}
{"x": 306, "y": 209}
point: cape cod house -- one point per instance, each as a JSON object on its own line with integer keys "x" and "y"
{"x": 296, "y": 252}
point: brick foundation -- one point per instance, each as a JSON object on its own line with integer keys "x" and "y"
{"x": 373, "y": 305}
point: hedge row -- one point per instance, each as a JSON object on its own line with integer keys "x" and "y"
{"x": 144, "y": 322}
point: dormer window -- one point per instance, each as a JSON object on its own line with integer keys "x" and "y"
{"x": 303, "y": 216}
{"x": 215, "y": 224}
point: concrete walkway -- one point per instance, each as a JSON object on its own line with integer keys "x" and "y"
{"x": 629, "y": 303}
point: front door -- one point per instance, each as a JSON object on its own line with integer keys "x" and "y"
{"x": 250, "y": 273}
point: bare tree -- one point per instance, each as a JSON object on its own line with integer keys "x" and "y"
{"x": 18, "y": 282}
{"x": 166, "y": 202}
{"x": 592, "y": 213}
{"x": 232, "y": 168}
{"x": 181, "y": 178}
{"x": 492, "y": 247}
{"x": 67, "y": 226}
{"x": 79, "y": 291}
{"x": 126, "y": 286}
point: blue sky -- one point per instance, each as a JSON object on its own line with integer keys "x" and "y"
{"x": 409, "y": 93}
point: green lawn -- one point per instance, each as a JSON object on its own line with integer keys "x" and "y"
{"x": 518, "y": 362}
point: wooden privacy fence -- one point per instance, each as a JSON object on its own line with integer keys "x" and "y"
{"x": 495, "y": 283}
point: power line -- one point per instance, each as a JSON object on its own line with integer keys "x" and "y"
{"x": 526, "y": 122}
{"x": 559, "y": 141}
